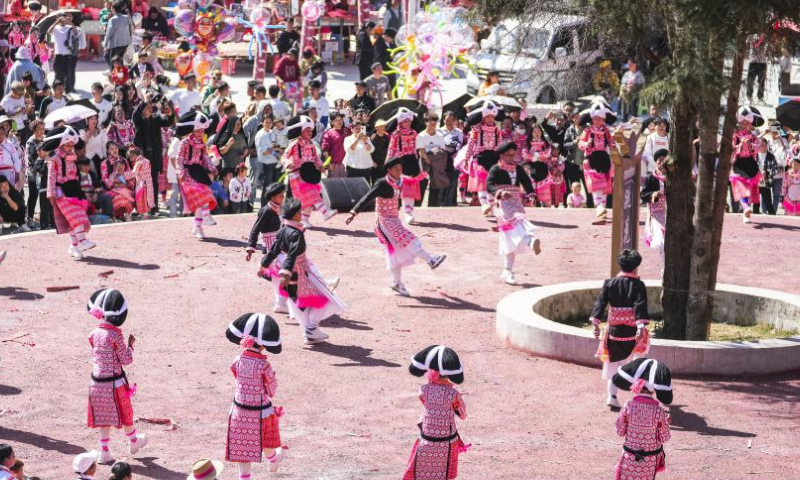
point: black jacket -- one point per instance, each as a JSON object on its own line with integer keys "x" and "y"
{"x": 381, "y": 52}
{"x": 364, "y": 48}
{"x": 148, "y": 135}
{"x": 289, "y": 241}
{"x": 286, "y": 41}
{"x": 380, "y": 189}
{"x": 651, "y": 186}
{"x": 555, "y": 134}
{"x": 497, "y": 176}
{"x": 622, "y": 292}
{"x": 366, "y": 102}
{"x": 267, "y": 221}
{"x": 570, "y": 146}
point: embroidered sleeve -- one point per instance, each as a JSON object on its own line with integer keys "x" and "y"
{"x": 273, "y": 252}
{"x": 124, "y": 352}
{"x": 622, "y": 420}
{"x": 183, "y": 155}
{"x": 471, "y": 143}
{"x": 392, "y": 151}
{"x": 583, "y": 143}
{"x": 460, "y": 407}
{"x": 53, "y": 171}
{"x": 785, "y": 186}
{"x": 663, "y": 434}
{"x": 270, "y": 381}
{"x": 234, "y": 367}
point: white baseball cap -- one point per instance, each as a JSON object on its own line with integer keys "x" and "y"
{"x": 84, "y": 461}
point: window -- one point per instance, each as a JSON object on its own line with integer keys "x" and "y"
{"x": 562, "y": 39}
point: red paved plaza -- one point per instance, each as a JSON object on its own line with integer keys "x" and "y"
{"x": 351, "y": 404}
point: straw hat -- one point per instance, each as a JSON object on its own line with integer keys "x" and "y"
{"x": 205, "y": 469}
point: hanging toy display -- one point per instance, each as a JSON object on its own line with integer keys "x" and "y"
{"x": 312, "y": 10}
{"x": 427, "y": 51}
{"x": 203, "y": 24}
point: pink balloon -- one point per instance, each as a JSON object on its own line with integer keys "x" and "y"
{"x": 184, "y": 22}
{"x": 226, "y": 32}
{"x": 311, "y": 11}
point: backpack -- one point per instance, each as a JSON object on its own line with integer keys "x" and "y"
{"x": 73, "y": 41}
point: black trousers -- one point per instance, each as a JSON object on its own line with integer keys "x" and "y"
{"x": 33, "y": 196}
{"x": 756, "y": 70}
{"x": 111, "y": 53}
{"x": 450, "y": 194}
{"x": 365, "y": 173}
{"x": 766, "y": 200}
{"x": 61, "y": 66}
{"x": 105, "y": 205}
{"x": 155, "y": 170}
{"x": 13, "y": 216}
{"x": 46, "y": 219}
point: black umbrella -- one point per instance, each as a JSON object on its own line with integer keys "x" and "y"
{"x": 45, "y": 23}
{"x": 389, "y": 109}
{"x": 457, "y": 106}
{"x": 507, "y": 104}
{"x": 538, "y": 171}
{"x": 788, "y": 113}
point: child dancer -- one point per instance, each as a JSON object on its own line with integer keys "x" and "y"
{"x": 194, "y": 167}
{"x": 516, "y": 233}
{"x": 435, "y": 453}
{"x": 595, "y": 143}
{"x": 652, "y": 195}
{"x": 267, "y": 225}
{"x": 402, "y": 246}
{"x": 627, "y": 332}
{"x": 116, "y": 179}
{"x": 484, "y": 135}
{"x": 403, "y": 143}
{"x": 642, "y": 421}
{"x": 746, "y": 174}
{"x": 791, "y": 189}
{"x": 253, "y": 422}
{"x": 551, "y": 191}
{"x": 576, "y": 198}
{"x": 310, "y": 301}
{"x": 240, "y": 190}
{"x": 110, "y": 393}
{"x": 144, "y": 191}
{"x": 64, "y": 188}
{"x": 304, "y": 167}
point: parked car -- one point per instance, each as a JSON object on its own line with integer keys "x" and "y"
{"x": 550, "y": 58}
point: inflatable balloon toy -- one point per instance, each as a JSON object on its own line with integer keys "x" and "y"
{"x": 428, "y": 49}
{"x": 203, "y": 25}
{"x": 312, "y": 10}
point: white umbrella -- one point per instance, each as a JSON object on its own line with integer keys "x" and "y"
{"x": 68, "y": 114}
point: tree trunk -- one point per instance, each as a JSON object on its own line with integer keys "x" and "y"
{"x": 699, "y": 295}
{"x": 680, "y": 192}
{"x": 724, "y": 166}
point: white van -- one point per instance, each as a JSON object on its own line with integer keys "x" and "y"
{"x": 550, "y": 58}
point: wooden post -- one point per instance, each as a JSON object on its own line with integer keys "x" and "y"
{"x": 625, "y": 216}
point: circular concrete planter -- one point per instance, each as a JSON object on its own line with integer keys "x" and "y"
{"x": 523, "y": 323}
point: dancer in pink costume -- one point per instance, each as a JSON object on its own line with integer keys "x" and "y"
{"x": 643, "y": 421}
{"x": 484, "y": 135}
{"x": 435, "y": 453}
{"x": 194, "y": 168}
{"x": 596, "y": 142}
{"x": 791, "y": 189}
{"x": 64, "y": 189}
{"x": 403, "y": 143}
{"x": 652, "y": 195}
{"x": 402, "y": 246}
{"x": 253, "y": 421}
{"x": 110, "y": 393}
{"x": 746, "y": 175}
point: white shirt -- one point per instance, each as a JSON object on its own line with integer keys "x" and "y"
{"x": 430, "y": 143}
{"x": 10, "y": 160}
{"x": 95, "y": 145}
{"x": 266, "y": 143}
{"x": 780, "y": 148}
{"x": 55, "y": 104}
{"x": 631, "y": 79}
{"x": 60, "y": 36}
{"x": 280, "y": 109}
{"x": 172, "y": 153}
{"x": 239, "y": 189}
{"x": 103, "y": 109}
{"x": 283, "y": 138}
{"x": 654, "y": 143}
{"x": 321, "y": 104}
{"x": 13, "y": 107}
{"x": 185, "y": 100}
{"x": 361, "y": 157}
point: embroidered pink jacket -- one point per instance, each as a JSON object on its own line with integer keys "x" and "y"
{"x": 109, "y": 351}
{"x": 255, "y": 379}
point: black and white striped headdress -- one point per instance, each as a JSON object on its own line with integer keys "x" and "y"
{"x": 649, "y": 373}
{"x": 440, "y": 359}
{"x": 297, "y": 124}
{"x": 110, "y": 305}
{"x": 191, "y": 121}
{"x": 751, "y": 114}
{"x": 61, "y": 136}
{"x": 600, "y": 109}
{"x": 260, "y": 327}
